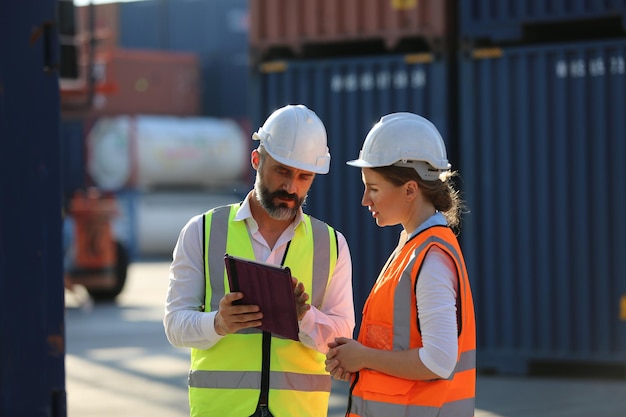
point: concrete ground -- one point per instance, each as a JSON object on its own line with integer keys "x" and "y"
{"x": 119, "y": 363}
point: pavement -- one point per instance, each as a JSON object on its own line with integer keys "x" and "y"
{"x": 119, "y": 363}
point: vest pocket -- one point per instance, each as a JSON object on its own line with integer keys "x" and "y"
{"x": 378, "y": 336}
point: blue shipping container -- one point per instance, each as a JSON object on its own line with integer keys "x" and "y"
{"x": 144, "y": 25}
{"x": 217, "y": 31}
{"x": 500, "y": 20}
{"x": 206, "y": 27}
{"x": 224, "y": 82}
{"x": 350, "y": 95}
{"x": 72, "y": 156}
{"x": 542, "y": 165}
{"x": 213, "y": 27}
{"x": 32, "y": 313}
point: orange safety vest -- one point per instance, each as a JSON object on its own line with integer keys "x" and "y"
{"x": 390, "y": 322}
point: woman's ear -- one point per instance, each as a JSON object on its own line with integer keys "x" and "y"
{"x": 411, "y": 189}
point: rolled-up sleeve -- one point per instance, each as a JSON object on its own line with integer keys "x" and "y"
{"x": 335, "y": 316}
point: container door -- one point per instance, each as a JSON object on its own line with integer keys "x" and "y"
{"x": 32, "y": 350}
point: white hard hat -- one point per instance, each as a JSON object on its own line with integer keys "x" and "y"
{"x": 293, "y": 135}
{"x": 404, "y": 139}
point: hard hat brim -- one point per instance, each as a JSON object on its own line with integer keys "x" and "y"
{"x": 322, "y": 169}
{"x": 426, "y": 171}
{"x": 360, "y": 163}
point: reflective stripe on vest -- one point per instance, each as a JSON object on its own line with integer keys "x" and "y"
{"x": 376, "y": 393}
{"x": 403, "y": 304}
{"x": 373, "y": 408}
{"x": 278, "y": 380}
{"x": 225, "y": 379}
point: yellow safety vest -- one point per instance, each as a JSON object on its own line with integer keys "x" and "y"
{"x": 225, "y": 380}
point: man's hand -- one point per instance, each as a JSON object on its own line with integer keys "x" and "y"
{"x": 231, "y": 318}
{"x": 301, "y": 298}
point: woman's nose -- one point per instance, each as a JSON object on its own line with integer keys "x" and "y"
{"x": 365, "y": 200}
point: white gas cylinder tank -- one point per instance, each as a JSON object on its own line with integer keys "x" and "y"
{"x": 147, "y": 152}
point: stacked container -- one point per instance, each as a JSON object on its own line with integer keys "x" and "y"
{"x": 542, "y": 131}
{"x": 216, "y": 31}
{"x": 351, "y": 62}
{"x": 303, "y": 27}
{"x": 147, "y": 82}
{"x": 114, "y": 79}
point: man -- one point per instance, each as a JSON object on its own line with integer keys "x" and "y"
{"x": 237, "y": 370}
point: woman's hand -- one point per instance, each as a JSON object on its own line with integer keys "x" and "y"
{"x": 344, "y": 357}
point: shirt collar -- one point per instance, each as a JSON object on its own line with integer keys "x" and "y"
{"x": 437, "y": 219}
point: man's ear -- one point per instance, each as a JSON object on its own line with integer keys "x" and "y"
{"x": 254, "y": 159}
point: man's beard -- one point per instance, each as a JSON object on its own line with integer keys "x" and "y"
{"x": 278, "y": 211}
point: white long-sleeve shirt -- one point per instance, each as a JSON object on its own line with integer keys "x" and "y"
{"x": 436, "y": 294}
{"x": 186, "y": 326}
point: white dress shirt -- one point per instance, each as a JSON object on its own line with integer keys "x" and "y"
{"x": 186, "y": 326}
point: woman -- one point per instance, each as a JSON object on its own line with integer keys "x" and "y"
{"x": 415, "y": 354}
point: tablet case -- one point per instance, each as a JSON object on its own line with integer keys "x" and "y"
{"x": 268, "y": 286}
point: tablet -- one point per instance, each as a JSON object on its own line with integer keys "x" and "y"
{"x": 268, "y": 286}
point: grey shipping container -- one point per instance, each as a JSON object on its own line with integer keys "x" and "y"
{"x": 508, "y": 20}
{"x": 350, "y": 95}
{"x": 542, "y": 163}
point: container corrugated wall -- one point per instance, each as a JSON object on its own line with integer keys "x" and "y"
{"x": 542, "y": 163}
{"x": 506, "y": 20}
{"x": 350, "y": 95}
{"x": 296, "y": 24}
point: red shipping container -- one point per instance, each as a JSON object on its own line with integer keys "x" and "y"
{"x": 146, "y": 82}
{"x": 294, "y": 24}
